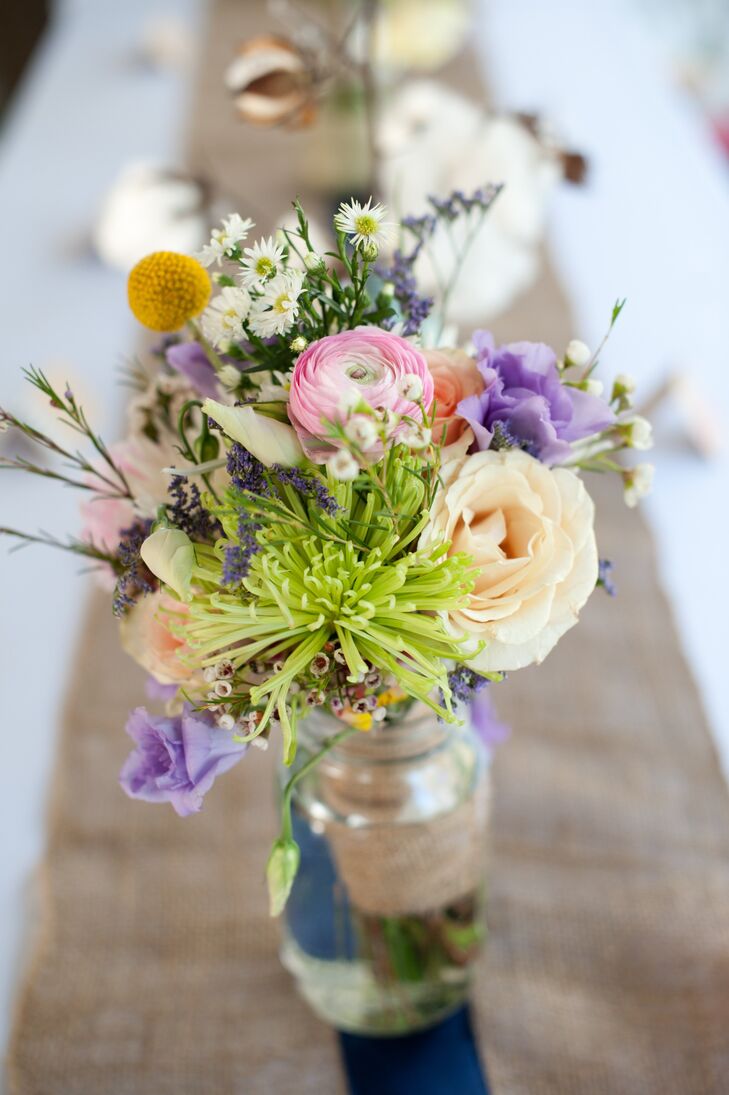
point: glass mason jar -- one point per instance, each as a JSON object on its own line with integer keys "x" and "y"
{"x": 386, "y": 916}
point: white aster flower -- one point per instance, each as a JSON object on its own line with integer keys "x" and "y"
{"x": 275, "y": 311}
{"x": 343, "y": 465}
{"x": 232, "y": 231}
{"x": 364, "y": 224}
{"x": 638, "y": 482}
{"x": 222, "y": 321}
{"x": 261, "y": 263}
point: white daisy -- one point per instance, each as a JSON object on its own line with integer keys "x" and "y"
{"x": 364, "y": 224}
{"x": 222, "y": 320}
{"x": 275, "y": 311}
{"x": 262, "y": 262}
{"x": 232, "y": 231}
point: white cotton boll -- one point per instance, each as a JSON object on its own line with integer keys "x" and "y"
{"x": 149, "y": 208}
{"x": 434, "y": 141}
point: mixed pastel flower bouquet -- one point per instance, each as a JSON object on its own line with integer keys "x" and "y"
{"x": 320, "y": 506}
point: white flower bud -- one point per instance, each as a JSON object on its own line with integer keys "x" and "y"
{"x": 229, "y": 377}
{"x": 226, "y": 722}
{"x": 223, "y": 689}
{"x": 260, "y": 743}
{"x": 410, "y": 387}
{"x": 638, "y": 482}
{"x": 624, "y": 384}
{"x": 298, "y": 344}
{"x": 210, "y": 674}
{"x": 577, "y": 354}
{"x": 388, "y": 289}
{"x": 594, "y": 387}
{"x": 419, "y": 437}
{"x": 369, "y": 250}
{"x": 361, "y": 431}
{"x": 314, "y": 262}
{"x": 170, "y": 555}
{"x": 271, "y": 441}
{"x": 639, "y": 433}
{"x": 343, "y": 466}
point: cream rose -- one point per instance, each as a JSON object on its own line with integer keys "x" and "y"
{"x": 529, "y": 529}
{"x": 455, "y": 376}
{"x": 147, "y": 638}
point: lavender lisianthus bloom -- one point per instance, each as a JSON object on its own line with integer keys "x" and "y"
{"x": 485, "y": 720}
{"x": 190, "y": 360}
{"x": 524, "y": 401}
{"x": 176, "y": 759}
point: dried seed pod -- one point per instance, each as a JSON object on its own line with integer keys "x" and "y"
{"x": 272, "y": 83}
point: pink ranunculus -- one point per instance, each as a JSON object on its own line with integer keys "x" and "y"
{"x": 366, "y": 364}
{"x": 455, "y": 376}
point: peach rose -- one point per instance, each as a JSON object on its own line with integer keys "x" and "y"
{"x": 455, "y": 376}
{"x": 529, "y": 529}
{"x": 147, "y": 638}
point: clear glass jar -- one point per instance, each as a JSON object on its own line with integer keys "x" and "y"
{"x": 386, "y": 916}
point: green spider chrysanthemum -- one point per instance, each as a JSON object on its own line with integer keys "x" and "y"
{"x": 351, "y": 580}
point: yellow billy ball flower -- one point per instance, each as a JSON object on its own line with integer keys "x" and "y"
{"x": 166, "y": 289}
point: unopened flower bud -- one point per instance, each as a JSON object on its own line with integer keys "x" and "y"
{"x": 210, "y": 674}
{"x": 226, "y": 722}
{"x": 229, "y": 377}
{"x": 411, "y": 387}
{"x": 419, "y": 437}
{"x": 388, "y": 289}
{"x": 314, "y": 262}
{"x": 361, "y": 431}
{"x": 343, "y": 465}
{"x": 638, "y": 433}
{"x": 625, "y": 383}
{"x": 594, "y": 387}
{"x": 298, "y": 344}
{"x": 577, "y": 354}
{"x": 637, "y": 483}
{"x": 369, "y": 250}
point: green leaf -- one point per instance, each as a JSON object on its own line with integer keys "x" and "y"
{"x": 283, "y": 865}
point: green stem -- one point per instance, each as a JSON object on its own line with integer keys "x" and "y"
{"x": 327, "y": 746}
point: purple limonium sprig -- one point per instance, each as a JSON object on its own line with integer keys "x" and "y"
{"x": 414, "y": 307}
{"x": 134, "y": 580}
{"x": 178, "y": 759}
{"x": 309, "y": 486}
{"x": 465, "y": 683}
{"x": 245, "y": 471}
{"x": 604, "y": 577}
{"x": 187, "y": 511}
{"x": 525, "y": 399}
{"x": 237, "y": 557}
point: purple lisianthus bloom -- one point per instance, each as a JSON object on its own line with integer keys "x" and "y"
{"x": 177, "y": 759}
{"x": 190, "y": 360}
{"x": 485, "y": 721}
{"x": 525, "y": 403}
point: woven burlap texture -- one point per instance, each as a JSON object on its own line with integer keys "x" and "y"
{"x": 607, "y": 971}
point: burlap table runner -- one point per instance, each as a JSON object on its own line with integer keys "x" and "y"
{"x": 607, "y": 971}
